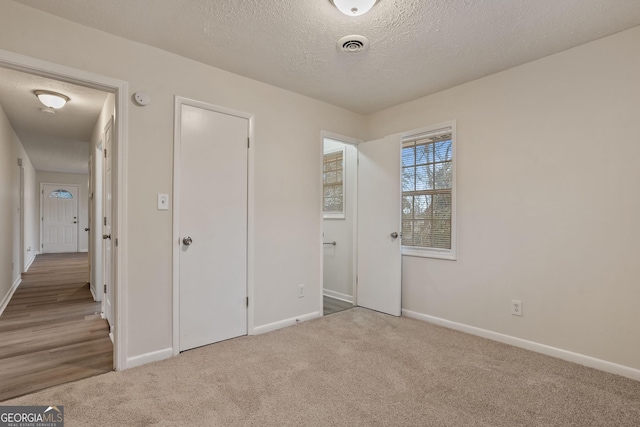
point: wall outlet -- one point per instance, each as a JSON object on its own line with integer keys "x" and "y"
{"x": 516, "y": 307}
{"x": 300, "y": 291}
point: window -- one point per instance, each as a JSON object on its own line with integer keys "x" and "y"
{"x": 333, "y": 184}
{"x": 60, "y": 194}
{"x": 428, "y": 199}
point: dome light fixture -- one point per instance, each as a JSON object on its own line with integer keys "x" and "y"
{"x": 51, "y": 99}
{"x": 354, "y": 7}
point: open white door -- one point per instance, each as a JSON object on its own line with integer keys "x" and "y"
{"x": 107, "y": 246}
{"x": 379, "y": 226}
{"x": 89, "y": 218}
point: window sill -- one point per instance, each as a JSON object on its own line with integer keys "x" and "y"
{"x": 446, "y": 254}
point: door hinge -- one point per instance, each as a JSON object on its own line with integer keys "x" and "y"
{"x": 356, "y": 279}
{"x": 105, "y": 153}
{"x": 42, "y": 245}
{"x": 248, "y": 142}
{"x": 116, "y": 242}
{"x": 247, "y": 301}
{"x": 104, "y": 221}
{"x": 105, "y": 288}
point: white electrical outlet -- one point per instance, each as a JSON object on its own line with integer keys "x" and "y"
{"x": 516, "y": 307}
{"x": 300, "y": 291}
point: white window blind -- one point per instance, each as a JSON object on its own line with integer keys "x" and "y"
{"x": 333, "y": 183}
{"x": 427, "y": 189}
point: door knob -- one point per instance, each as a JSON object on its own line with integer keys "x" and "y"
{"x": 86, "y": 229}
{"x": 187, "y": 241}
{"x": 106, "y": 236}
{"x": 394, "y": 235}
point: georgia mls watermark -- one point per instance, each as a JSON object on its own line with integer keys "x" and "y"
{"x": 31, "y": 416}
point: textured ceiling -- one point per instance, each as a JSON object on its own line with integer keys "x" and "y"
{"x": 54, "y": 142}
{"x": 417, "y": 47}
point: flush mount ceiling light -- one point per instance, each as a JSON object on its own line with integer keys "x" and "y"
{"x": 51, "y": 99}
{"x": 354, "y": 7}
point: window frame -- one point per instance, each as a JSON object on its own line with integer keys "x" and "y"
{"x": 437, "y": 253}
{"x": 336, "y": 214}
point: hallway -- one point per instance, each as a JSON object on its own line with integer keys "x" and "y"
{"x": 52, "y": 332}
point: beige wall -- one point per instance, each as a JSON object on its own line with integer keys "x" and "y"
{"x": 548, "y": 201}
{"x": 10, "y": 258}
{"x": 287, "y": 166}
{"x": 82, "y": 181}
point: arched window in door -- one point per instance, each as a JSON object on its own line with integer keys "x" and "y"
{"x": 60, "y": 194}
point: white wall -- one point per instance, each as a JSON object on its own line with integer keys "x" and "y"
{"x": 82, "y": 181}
{"x": 287, "y": 248}
{"x": 338, "y": 270}
{"x": 548, "y": 201}
{"x": 10, "y": 151}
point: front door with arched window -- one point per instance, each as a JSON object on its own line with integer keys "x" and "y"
{"x": 59, "y": 218}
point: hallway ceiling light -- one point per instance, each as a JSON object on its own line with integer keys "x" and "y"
{"x": 354, "y": 7}
{"x": 51, "y": 99}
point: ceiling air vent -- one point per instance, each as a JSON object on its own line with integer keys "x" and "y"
{"x": 353, "y": 44}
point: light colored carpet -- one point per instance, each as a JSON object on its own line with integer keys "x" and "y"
{"x": 354, "y": 368}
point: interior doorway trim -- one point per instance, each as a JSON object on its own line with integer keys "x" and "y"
{"x": 177, "y": 130}
{"x": 120, "y": 89}
{"x": 351, "y": 141}
{"x": 22, "y": 259}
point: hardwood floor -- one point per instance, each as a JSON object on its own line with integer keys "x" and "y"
{"x": 332, "y": 305}
{"x": 52, "y": 332}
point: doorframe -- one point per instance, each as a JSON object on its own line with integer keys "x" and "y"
{"x": 354, "y": 142}
{"x": 77, "y": 187}
{"x": 179, "y": 101}
{"x": 120, "y": 89}
{"x": 22, "y": 258}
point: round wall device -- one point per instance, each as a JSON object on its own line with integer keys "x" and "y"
{"x": 142, "y": 98}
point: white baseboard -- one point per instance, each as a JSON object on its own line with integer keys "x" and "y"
{"x": 38, "y": 252}
{"x": 337, "y": 295}
{"x": 83, "y": 250}
{"x": 154, "y": 356}
{"x": 284, "y": 323}
{"x": 33, "y": 258}
{"x": 559, "y": 353}
{"x": 93, "y": 294}
{"x": 7, "y": 297}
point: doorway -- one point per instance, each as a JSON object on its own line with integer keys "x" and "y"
{"x": 371, "y": 194}
{"x": 339, "y": 211}
{"x": 210, "y": 224}
{"x": 119, "y": 91}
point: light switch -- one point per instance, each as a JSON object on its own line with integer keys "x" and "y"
{"x": 163, "y": 202}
